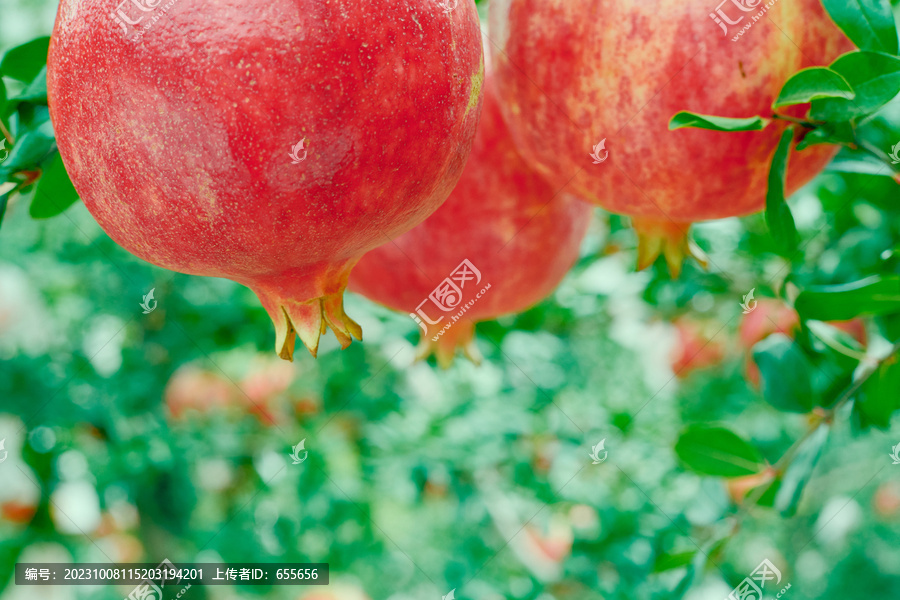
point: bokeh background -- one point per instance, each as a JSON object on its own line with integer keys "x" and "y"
{"x": 135, "y": 437}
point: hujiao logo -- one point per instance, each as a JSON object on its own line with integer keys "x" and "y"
{"x": 721, "y": 17}
{"x": 448, "y": 297}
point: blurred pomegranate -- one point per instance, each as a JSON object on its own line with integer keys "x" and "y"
{"x": 886, "y": 500}
{"x": 503, "y": 217}
{"x": 263, "y": 386}
{"x": 15, "y": 511}
{"x": 698, "y": 345}
{"x": 191, "y": 388}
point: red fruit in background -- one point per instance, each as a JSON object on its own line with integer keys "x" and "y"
{"x": 262, "y": 386}
{"x": 191, "y": 388}
{"x": 886, "y": 500}
{"x": 770, "y": 316}
{"x": 573, "y": 73}
{"x": 17, "y": 512}
{"x": 517, "y": 233}
{"x": 774, "y": 316}
{"x": 697, "y": 346}
{"x": 179, "y": 143}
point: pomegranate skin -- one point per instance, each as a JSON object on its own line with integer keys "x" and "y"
{"x": 573, "y": 72}
{"x": 502, "y": 217}
{"x": 178, "y": 139}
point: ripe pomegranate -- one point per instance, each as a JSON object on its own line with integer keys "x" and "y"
{"x": 572, "y": 74}
{"x": 272, "y": 143}
{"x": 774, "y": 316}
{"x": 518, "y": 237}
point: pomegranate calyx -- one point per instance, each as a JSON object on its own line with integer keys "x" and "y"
{"x": 308, "y": 320}
{"x": 460, "y": 337}
{"x": 666, "y": 238}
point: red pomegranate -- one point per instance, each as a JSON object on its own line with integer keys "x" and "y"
{"x": 501, "y": 243}
{"x": 698, "y": 345}
{"x": 271, "y": 142}
{"x": 576, "y": 73}
{"x": 193, "y": 389}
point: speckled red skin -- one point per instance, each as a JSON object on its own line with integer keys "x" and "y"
{"x": 504, "y": 218}
{"x": 572, "y": 72}
{"x": 178, "y": 143}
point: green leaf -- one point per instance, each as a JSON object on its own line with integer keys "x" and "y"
{"x": 879, "y": 396}
{"x": 689, "y": 119}
{"x": 4, "y": 201}
{"x": 877, "y": 295}
{"x": 827, "y": 133}
{"x": 785, "y": 372}
{"x": 836, "y": 339}
{"x": 767, "y": 499}
{"x": 868, "y": 23}
{"x": 812, "y": 84}
{"x": 858, "y": 161}
{"x": 778, "y": 213}
{"x": 35, "y": 93}
{"x": 717, "y": 451}
{"x": 25, "y": 62}
{"x": 667, "y": 562}
{"x": 54, "y": 193}
{"x": 799, "y": 471}
{"x": 874, "y": 77}
{"x": 30, "y": 149}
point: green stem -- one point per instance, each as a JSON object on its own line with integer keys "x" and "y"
{"x": 6, "y": 133}
{"x": 827, "y": 418}
{"x": 802, "y": 122}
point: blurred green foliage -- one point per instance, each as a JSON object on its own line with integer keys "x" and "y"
{"x": 136, "y": 436}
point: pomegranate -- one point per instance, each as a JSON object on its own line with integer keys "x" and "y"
{"x": 609, "y": 75}
{"x": 500, "y": 244}
{"x": 271, "y": 142}
{"x": 698, "y": 345}
{"x": 194, "y": 389}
